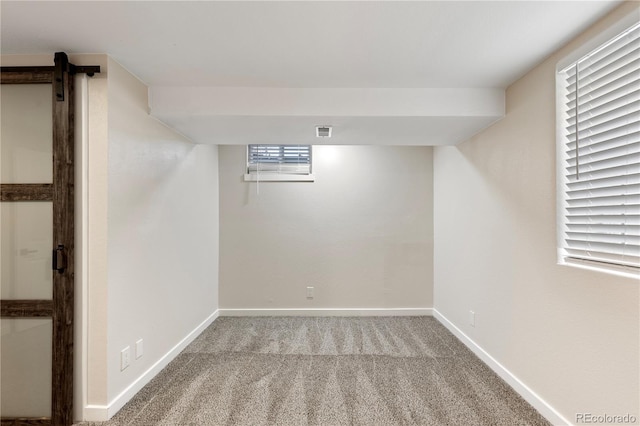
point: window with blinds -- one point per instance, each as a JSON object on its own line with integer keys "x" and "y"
{"x": 279, "y": 159}
{"x": 599, "y": 132}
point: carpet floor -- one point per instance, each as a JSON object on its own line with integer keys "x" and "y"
{"x": 329, "y": 371}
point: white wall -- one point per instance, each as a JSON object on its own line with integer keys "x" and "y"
{"x": 91, "y": 321}
{"x": 571, "y": 335}
{"x": 361, "y": 234}
{"x": 146, "y": 236}
{"x": 162, "y": 233}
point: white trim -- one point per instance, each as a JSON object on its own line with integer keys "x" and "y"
{"x": 105, "y": 412}
{"x": 606, "y": 268}
{"x": 277, "y": 177}
{"x": 546, "y": 410}
{"x": 603, "y": 45}
{"x": 604, "y": 38}
{"x": 561, "y": 202}
{"x": 327, "y": 312}
{"x": 81, "y": 180}
{"x": 622, "y": 24}
{"x": 96, "y": 413}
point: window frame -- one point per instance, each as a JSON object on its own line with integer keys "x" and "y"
{"x": 277, "y": 175}
{"x": 622, "y": 25}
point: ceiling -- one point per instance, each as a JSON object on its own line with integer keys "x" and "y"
{"x": 298, "y": 45}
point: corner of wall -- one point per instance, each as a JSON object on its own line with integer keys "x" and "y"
{"x": 495, "y": 254}
{"x": 156, "y": 214}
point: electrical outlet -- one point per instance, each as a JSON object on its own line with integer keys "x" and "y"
{"x": 309, "y": 292}
{"x": 472, "y": 318}
{"x": 139, "y": 349}
{"x": 125, "y": 358}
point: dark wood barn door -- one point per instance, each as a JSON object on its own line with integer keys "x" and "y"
{"x": 37, "y": 252}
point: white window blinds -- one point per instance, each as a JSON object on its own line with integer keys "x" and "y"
{"x": 282, "y": 159}
{"x": 600, "y": 132}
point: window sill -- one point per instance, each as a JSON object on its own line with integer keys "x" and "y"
{"x": 275, "y": 177}
{"x": 606, "y": 268}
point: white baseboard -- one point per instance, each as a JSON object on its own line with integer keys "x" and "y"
{"x": 95, "y": 413}
{"x": 105, "y": 412}
{"x": 323, "y": 312}
{"x": 547, "y": 411}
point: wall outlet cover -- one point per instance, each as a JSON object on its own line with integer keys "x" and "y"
{"x": 125, "y": 358}
{"x": 139, "y": 349}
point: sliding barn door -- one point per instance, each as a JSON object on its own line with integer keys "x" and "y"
{"x": 36, "y": 219}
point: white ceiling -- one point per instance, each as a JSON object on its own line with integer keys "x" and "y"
{"x": 306, "y": 44}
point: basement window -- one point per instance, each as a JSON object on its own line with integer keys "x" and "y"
{"x": 279, "y": 163}
{"x": 598, "y": 107}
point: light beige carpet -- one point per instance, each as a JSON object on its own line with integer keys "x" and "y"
{"x": 327, "y": 371}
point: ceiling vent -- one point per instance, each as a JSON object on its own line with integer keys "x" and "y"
{"x": 323, "y": 131}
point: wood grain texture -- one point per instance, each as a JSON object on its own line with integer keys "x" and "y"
{"x": 24, "y": 421}
{"x": 26, "y": 192}
{"x": 26, "y": 75}
{"x": 26, "y": 308}
{"x": 61, "y": 193}
{"x": 63, "y": 234}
